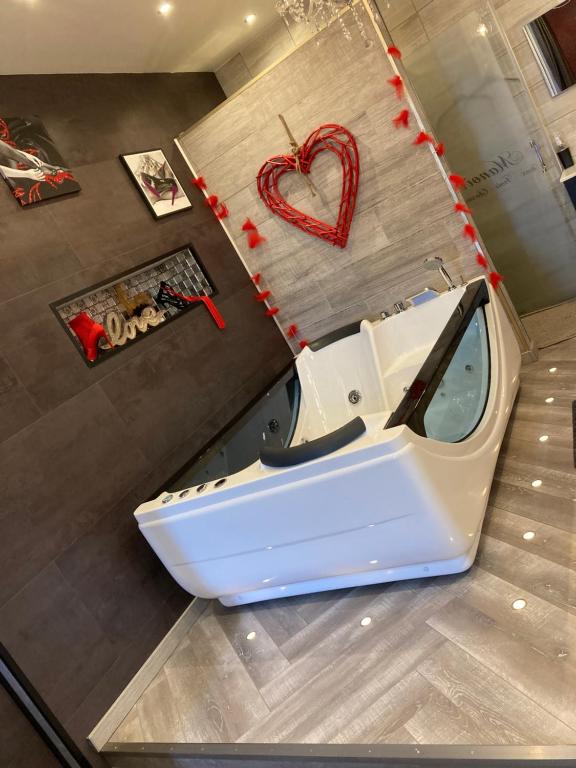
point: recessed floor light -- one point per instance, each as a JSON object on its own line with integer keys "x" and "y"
{"x": 250, "y": 18}
{"x": 519, "y": 604}
{"x": 165, "y": 8}
{"x": 544, "y": 438}
{"x": 251, "y": 636}
{"x": 552, "y": 370}
{"x": 366, "y": 621}
{"x": 536, "y": 483}
{"x": 549, "y": 400}
{"x": 529, "y": 535}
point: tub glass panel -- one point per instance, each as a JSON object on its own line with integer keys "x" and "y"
{"x": 459, "y": 402}
{"x": 269, "y": 422}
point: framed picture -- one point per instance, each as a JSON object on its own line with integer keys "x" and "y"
{"x": 157, "y": 182}
{"x": 30, "y": 163}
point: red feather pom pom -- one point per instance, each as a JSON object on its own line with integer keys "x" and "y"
{"x": 423, "y": 137}
{"x": 398, "y": 85}
{"x": 222, "y": 211}
{"x": 302, "y": 344}
{"x": 248, "y": 225}
{"x": 393, "y": 51}
{"x": 256, "y": 278}
{"x": 262, "y": 296}
{"x": 482, "y": 260}
{"x": 461, "y": 208}
{"x": 457, "y": 181}
{"x": 469, "y": 232}
{"x": 495, "y": 279}
{"x": 292, "y": 331}
{"x": 272, "y": 311}
{"x": 211, "y": 201}
{"x": 440, "y": 149}
{"x": 199, "y": 182}
{"x": 402, "y": 119}
{"x": 255, "y": 239}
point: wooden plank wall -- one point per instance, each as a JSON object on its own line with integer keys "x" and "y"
{"x": 404, "y": 211}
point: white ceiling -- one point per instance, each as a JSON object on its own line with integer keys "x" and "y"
{"x": 78, "y": 36}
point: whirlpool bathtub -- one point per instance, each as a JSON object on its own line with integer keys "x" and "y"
{"x": 371, "y": 461}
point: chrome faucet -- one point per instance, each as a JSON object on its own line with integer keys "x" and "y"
{"x": 436, "y": 262}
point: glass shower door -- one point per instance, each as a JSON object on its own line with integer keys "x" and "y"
{"x": 469, "y": 85}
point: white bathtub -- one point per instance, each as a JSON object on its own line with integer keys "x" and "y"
{"x": 399, "y": 493}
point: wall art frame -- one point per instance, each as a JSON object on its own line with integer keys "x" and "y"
{"x": 31, "y": 164}
{"x": 157, "y": 182}
{"x": 182, "y": 266}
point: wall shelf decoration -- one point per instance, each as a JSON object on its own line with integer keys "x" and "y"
{"x": 127, "y": 304}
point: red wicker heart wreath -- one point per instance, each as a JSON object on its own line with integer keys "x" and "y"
{"x": 331, "y": 138}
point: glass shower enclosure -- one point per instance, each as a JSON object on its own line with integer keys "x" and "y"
{"x": 472, "y": 91}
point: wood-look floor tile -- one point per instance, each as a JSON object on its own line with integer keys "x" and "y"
{"x": 495, "y": 646}
{"x": 500, "y": 713}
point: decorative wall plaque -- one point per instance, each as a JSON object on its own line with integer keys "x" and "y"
{"x": 117, "y": 313}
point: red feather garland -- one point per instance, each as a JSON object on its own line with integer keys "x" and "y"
{"x": 457, "y": 181}
{"x": 262, "y": 295}
{"x": 248, "y": 225}
{"x": 423, "y": 138}
{"x": 402, "y": 119}
{"x": 272, "y": 311}
{"x": 398, "y": 85}
{"x": 222, "y": 211}
{"x": 461, "y": 208}
{"x": 255, "y": 239}
{"x": 395, "y": 52}
{"x": 199, "y": 182}
{"x": 211, "y": 201}
{"x": 495, "y": 279}
{"x": 292, "y": 331}
{"x": 482, "y": 260}
{"x": 440, "y": 149}
{"x": 256, "y": 278}
{"x": 469, "y": 232}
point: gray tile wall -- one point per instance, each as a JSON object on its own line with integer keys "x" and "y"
{"x": 83, "y": 600}
{"x": 404, "y": 211}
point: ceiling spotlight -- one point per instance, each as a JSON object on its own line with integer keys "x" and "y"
{"x": 165, "y": 8}
{"x": 250, "y": 19}
{"x": 529, "y": 535}
{"x": 519, "y": 604}
{"x": 536, "y": 483}
{"x": 366, "y": 621}
{"x": 373, "y": 562}
{"x": 552, "y": 370}
{"x": 544, "y": 438}
{"x": 549, "y": 400}
{"x": 251, "y": 636}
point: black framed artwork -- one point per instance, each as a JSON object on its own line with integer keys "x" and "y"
{"x": 31, "y": 164}
{"x": 151, "y": 173}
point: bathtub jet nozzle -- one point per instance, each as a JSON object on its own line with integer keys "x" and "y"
{"x": 436, "y": 262}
